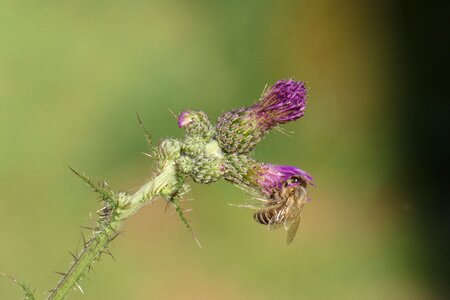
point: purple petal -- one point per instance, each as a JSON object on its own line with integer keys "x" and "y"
{"x": 184, "y": 118}
{"x": 271, "y": 177}
{"x": 285, "y": 101}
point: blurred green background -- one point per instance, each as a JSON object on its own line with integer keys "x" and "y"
{"x": 74, "y": 73}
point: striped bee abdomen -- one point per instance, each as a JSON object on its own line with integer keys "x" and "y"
{"x": 265, "y": 216}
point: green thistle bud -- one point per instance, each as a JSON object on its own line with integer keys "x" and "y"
{"x": 238, "y": 131}
{"x": 193, "y": 146}
{"x": 237, "y": 167}
{"x": 195, "y": 123}
{"x": 169, "y": 149}
{"x": 184, "y": 164}
{"x": 207, "y": 169}
{"x": 201, "y": 160}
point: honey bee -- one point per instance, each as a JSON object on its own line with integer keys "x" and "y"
{"x": 284, "y": 207}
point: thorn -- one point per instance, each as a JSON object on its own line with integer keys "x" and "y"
{"x": 73, "y": 255}
{"x": 196, "y": 239}
{"x": 25, "y": 288}
{"x": 284, "y": 131}
{"x": 7, "y": 276}
{"x": 10, "y": 277}
{"x": 263, "y": 91}
{"x": 115, "y": 236}
{"x": 84, "y": 240}
{"x": 139, "y": 119}
{"x": 78, "y": 244}
{"x": 186, "y": 223}
{"x": 79, "y": 287}
{"x": 147, "y": 154}
{"x": 76, "y": 173}
{"x": 167, "y": 206}
{"x": 198, "y": 242}
{"x": 126, "y": 205}
{"x": 173, "y": 114}
{"x": 148, "y": 137}
{"x": 91, "y": 268}
{"x": 187, "y": 199}
{"x": 85, "y": 227}
{"x": 110, "y": 254}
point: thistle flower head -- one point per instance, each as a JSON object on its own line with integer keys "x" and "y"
{"x": 271, "y": 177}
{"x": 239, "y": 130}
{"x": 285, "y": 101}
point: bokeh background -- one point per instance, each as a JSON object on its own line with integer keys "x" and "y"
{"x": 74, "y": 73}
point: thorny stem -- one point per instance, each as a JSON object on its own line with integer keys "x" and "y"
{"x": 206, "y": 154}
{"x": 160, "y": 185}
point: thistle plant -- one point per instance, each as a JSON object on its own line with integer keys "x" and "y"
{"x": 205, "y": 154}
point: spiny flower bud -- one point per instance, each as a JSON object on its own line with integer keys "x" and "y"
{"x": 236, "y": 168}
{"x": 200, "y": 159}
{"x": 206, "y": 169}
{"x": 196, "y": 123}
{"x": 239, "y": 130}
{"x": 169, "y": 149}
{"x": 193, "y": 146}
{"x": 184, "y": 164}
{"x": 202, "y": 169}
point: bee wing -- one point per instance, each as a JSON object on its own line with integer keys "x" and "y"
{"x": 292, "y": 229}
{"x": 273, "y": 226}
{"x": 291, "y": 224}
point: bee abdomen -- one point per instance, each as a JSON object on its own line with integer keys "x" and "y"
{"x": 263, "y": 216}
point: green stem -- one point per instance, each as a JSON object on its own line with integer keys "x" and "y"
{"x": 162, "y": 185}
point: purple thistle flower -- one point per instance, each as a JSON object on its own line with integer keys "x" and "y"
{"x": 239, "y": 130}
{"x": 271, "y": 177}
{"x": 283, "y": 102}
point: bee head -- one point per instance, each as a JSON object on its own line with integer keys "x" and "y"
{"x": 295, "y": 181}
